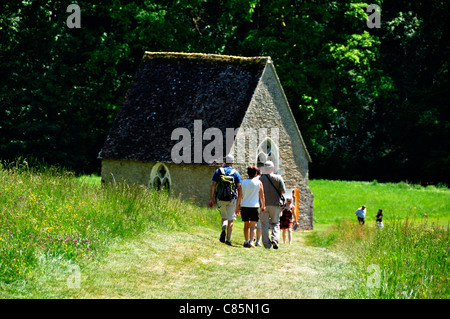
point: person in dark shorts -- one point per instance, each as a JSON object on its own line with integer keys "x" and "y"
{"x": 250, "y": 199}
{"x": 379, "y": 218}
{"x": 287, "y": 220}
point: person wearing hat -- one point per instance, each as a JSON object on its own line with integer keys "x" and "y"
{"x": 361, "y": 214}
{"x": 273, "y": 186}
{"x": 226, "y": 208}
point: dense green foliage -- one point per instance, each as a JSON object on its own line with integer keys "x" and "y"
{"x": 371, "y": 103}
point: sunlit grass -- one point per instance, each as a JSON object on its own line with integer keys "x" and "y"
{"x": 337, "y": 200}
{"x": 52, "y": 216}
{"x": 406, "y": 259}
{"x": 51, "y": 220}
{"x": 410, "y": 254}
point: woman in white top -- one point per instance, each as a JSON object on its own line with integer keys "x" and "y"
{"x": 249, "y": 200}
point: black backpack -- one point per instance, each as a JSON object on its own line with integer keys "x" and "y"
{"x": 225, "y": 190}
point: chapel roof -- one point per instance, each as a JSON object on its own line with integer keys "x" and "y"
{"x": 171, "y": 90}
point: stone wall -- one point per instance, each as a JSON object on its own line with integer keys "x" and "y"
{"x": 269, "y": 109}
{"x": 191, "y": 182}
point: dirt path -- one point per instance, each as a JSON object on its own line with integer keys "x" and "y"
{"x": 196, "y": 265}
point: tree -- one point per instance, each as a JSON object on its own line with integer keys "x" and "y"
{"x": 371, "y": 102}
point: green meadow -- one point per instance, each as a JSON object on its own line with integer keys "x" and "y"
{"x": 408, "y": 258}
{"x": 132, "y": 242}
{"x": 338, "y": 200}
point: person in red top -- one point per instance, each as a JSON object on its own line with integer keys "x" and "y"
{"x": 287, "y": 220}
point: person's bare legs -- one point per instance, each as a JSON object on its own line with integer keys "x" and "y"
{"x": 252, "y": 226}
{"x": 224, "y": 230}
{"x": 229, "y": 229}
{"x": 246, "y": 230}
{"x": 224, "y": 223}
{"x": 252, "y": 231}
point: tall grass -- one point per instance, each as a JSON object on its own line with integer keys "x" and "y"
{"x": 49, "y": 216}
{"x": 406, "y": 259}
{"x": 409, "y": 256}
{"x": 50, "y": 219}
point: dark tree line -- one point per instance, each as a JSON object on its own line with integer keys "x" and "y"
{"x": 372, "y": 103}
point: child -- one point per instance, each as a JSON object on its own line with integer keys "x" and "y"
{"x": 379, "y": 218}
{"x": 286, "y": 220}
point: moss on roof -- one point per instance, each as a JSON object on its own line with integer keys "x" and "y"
{"x": 213, "y": 58}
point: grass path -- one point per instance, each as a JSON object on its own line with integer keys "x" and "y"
{"x": 54, "y": 227}
{"x": 196, "y": 265}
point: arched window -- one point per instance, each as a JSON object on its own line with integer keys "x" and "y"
{"x": 267, "y": 151}
{"x": 160, "y": 177}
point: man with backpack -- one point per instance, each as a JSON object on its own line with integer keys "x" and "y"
{"x": 274, "y": 187}
{"x": 224, "y": 191}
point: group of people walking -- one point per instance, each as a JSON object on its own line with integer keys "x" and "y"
{"x": 257, "y": 200}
